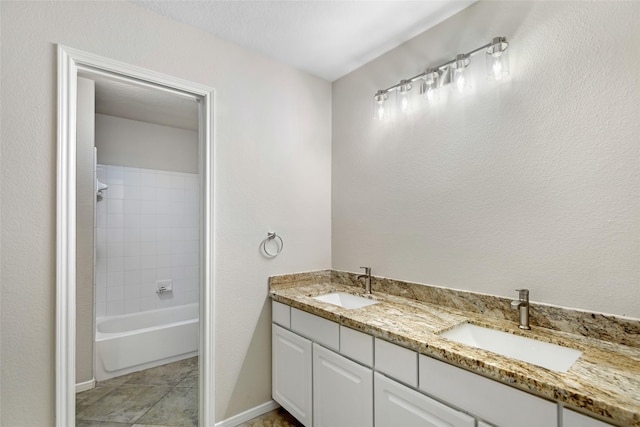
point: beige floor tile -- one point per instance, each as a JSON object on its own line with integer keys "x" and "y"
{"x": 165, "y": 396}
{"x": 190, "y": 380}
{"x": 170, "y": 374}
{"x": 125, "y": 404}
{"x": 276, "y": 418}
{"x": 82, "y": 423}
{"x": 178, "y": 408}
{"x": 90, "y": 397}
{"x": 114, "y": 381}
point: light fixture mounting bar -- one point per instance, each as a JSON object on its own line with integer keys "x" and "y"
{"x": 445, "y": 66}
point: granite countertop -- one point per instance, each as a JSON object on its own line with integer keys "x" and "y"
{"x": 604, "y": 381}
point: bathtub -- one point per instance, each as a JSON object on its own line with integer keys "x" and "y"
{"x": 133, "y": 342}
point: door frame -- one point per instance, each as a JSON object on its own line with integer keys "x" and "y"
{"x": 70, "y": 62}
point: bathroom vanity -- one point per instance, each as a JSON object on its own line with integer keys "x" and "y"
{"x": 385, "y": 364}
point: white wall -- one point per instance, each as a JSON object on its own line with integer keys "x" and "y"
{"x": 148, "y": 219}
{"x": 531, "y": 183}
{"x": 124, "y": 142}
{"x": 85, "y": 223}
{"x": 147, "y": 229}
{"x": 272, "y": 170}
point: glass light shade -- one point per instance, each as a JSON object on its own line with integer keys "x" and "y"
{"x": 381, "y": 106}
{"x": 404, "y": 99}
{"x": 498, "y": 59}
{"x": 429, "y": 86}
{"x": 459, "y": 77}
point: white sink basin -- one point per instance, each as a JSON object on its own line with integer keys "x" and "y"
{"x": 547, "y": 355}
{"x": 345, "y": 300}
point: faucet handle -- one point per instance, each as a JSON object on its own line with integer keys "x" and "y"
{"x": 523, "y": 294}
{"x": 367, "y": 270}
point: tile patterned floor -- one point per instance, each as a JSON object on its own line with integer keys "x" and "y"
{"x": 164, "y": 396}
{"x": 277, "y": 418}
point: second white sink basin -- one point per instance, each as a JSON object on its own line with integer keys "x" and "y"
{"x": 547, "y": 355}
{"x": 345, "y": 300}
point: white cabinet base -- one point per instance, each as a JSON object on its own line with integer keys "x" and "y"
{"x": 322, "y": 388}
{"x": 291, "y": 373}
{"x": 342, "y": 391}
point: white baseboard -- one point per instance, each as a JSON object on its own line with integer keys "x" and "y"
{"x": 87, "y": 385}
{"x": 248, "y": 415}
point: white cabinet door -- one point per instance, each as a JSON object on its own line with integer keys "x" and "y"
{"x": 399, "y": 406}
{"x": 342, "y": 391}
{"x": 291, "y": 373}
{"x": 574, "y": 419}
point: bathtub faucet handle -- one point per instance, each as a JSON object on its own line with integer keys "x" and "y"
{"x": 163, "y": 286}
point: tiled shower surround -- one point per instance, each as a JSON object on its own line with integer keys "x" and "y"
{"x": 146, "y": 230}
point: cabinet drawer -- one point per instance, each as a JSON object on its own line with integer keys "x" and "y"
{"x": 574, "y": 419}
{"x": 495, "y": 402}
{"x": 398, "y": 405}
{"x": 396, "y": 361}
{"x": 356, "y": 345}
{"x": 281, "y": 314}
{"x": 316, "y": 328}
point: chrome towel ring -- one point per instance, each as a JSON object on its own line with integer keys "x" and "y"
{"x": 270, "y": 237}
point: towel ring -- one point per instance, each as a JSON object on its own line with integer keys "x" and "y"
{"x": 272, "y": 236}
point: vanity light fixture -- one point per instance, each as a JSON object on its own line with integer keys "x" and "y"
{"x": 403, "y": 96}
{"x": 429, "y": 85}
{"x": 498, "y": 59}
{"x": 460, "y": 81}
{"x": 434, "y": 78}
{"x": 380, "y": 110}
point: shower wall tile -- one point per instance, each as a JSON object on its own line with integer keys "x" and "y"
{"x": 147, "y": 229}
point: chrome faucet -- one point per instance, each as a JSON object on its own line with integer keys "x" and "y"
{"x": 367, "y": 279}
{"x": 522, "y": 305}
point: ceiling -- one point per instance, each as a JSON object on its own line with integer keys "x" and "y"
{"x": 327, "y": 38}
{"x": 149, "y": 104}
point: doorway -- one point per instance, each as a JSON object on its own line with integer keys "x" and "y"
{"x": 185, "y": 243}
